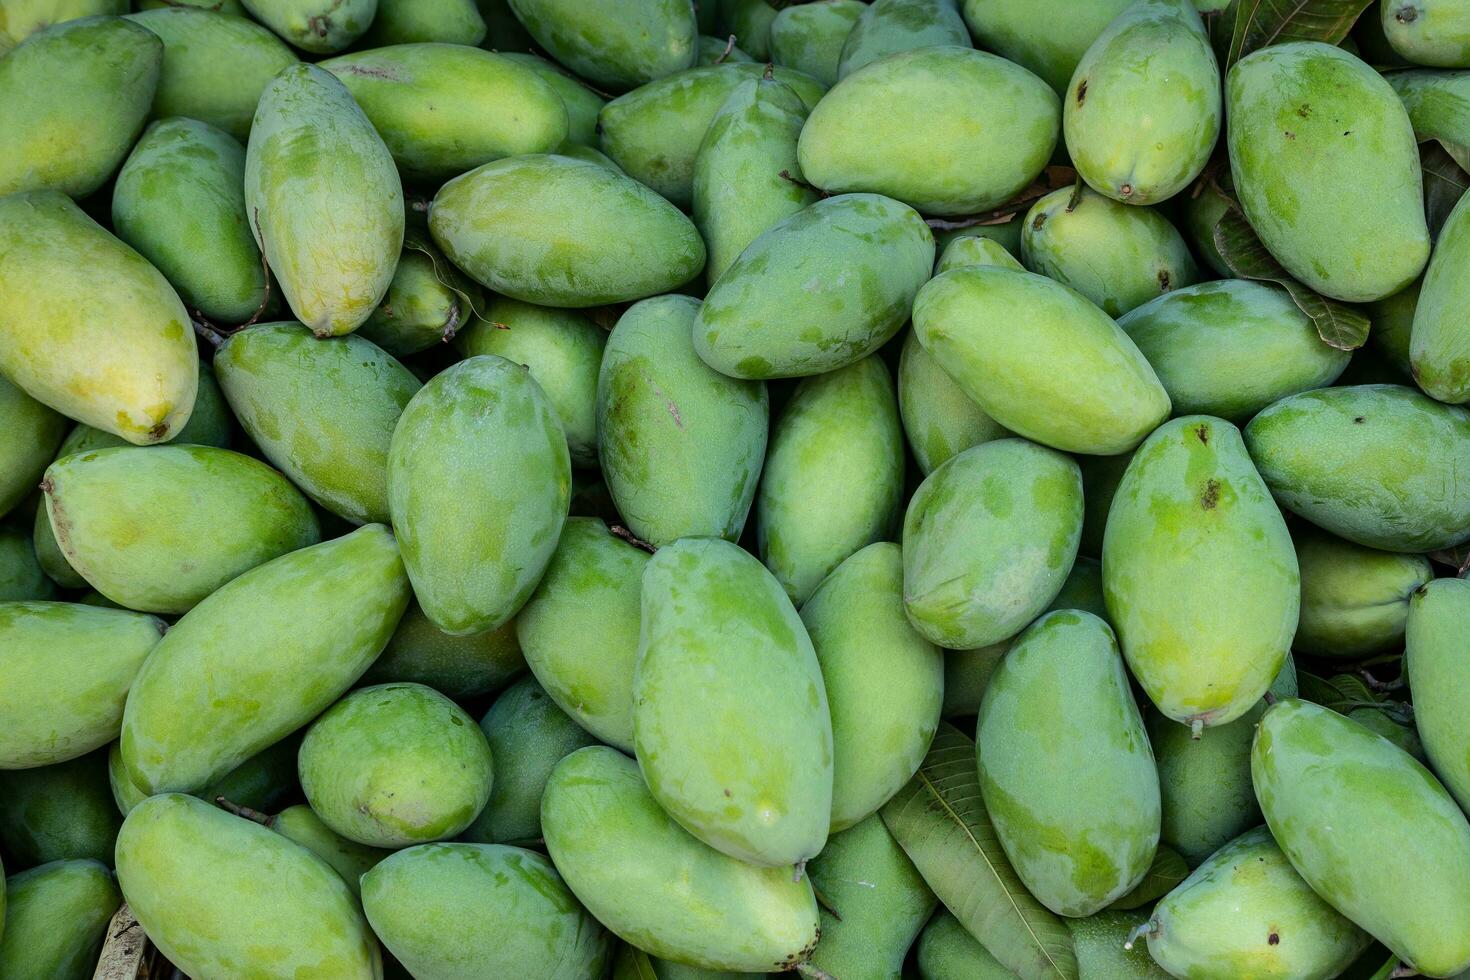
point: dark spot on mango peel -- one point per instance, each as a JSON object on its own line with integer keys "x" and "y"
{"x": 1163, "y": 278}
{"x": 1210, "y": 496}
{"x": 1202, "y": 432}
{"x": 1304, "y": 110}
{"x": 1273, "y": 939}
{"x": 1358, "y": 420}
{"x": 1081, "y": 91}
{"x": 1406, "y": 15}
{"x": 1040, "y": 220}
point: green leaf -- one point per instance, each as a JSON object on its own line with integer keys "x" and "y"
{"x": 940, "y": 822}
{"x": 1341, "y": 692}
{"x": 1376, "y": 963}
{"x": 1167, "y": 871}
{"x": 1457, "y": 557}
{"x": 633, "y": 964}
{"x": 1445, "y": 183}
{"x": 1256, "y": 24}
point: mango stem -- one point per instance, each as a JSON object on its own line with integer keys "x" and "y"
{"x": 242, "y": 811}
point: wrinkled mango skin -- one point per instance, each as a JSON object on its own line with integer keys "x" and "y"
{"x": 1065, "y": 767}
{"x": 581, "y": 103}
{"x": 316, "y": 26}
{"x": 349, "y": 859}
{"x": 19, "y": 19}
{"x": 888, "y": 27}
{"x": 191, "y": 874}
{"x": 1355, "y": 600}
{"x": 56, "y": 919}
{"x": 1378, "y": 797}
{"x": 21, "y": 575}
{"x": 399, "y": 22}
{"x": 1428, "y": 32}
{"x": 611, "y": 44}
{"x": 989, "y": 127}
{"x": 60, "y": 812}
{"x": 88, "y": 326}
{"x": 479, "y": 482}
{"x": 939, "y": 418}
{"x": 1047, "y": 37}
{"x": 809, "y": 37}
{"x": 1439, "y": 615}
{"x": 462, "y": 667}
{"x": 1439, "y": 344}
{"x": 681, "y": 444}
{"x": 33, "y": 433}
{"x": 312, "y": 152}
{"x": 657, "y": 887}
{"x": 817, "y": 291}
{"x": 1343, "y": 214}
{"x": 947, "y": 951}
{"x": 1199, "y": 573}
{"x": 1391, "y": 481}
{"x": 260, "y": 657}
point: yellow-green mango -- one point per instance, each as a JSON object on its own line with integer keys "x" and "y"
{"x": 56, "y": 919}
{"x": 1324, "y": 162}
{"x": 988, "y": 539}
{"x": 1355, "y": 600}
{"x": 427, "y": 302}
{"x": 460, "y": 666}
{"x": 1198, "y": 217}
{"x": 21, "y": 575}
{"x": 939, "y": 418}
{"x": 809, "y": 37}
{"x": 443, "y": 109}
{"x": 1154, "y": 54}
{"x": 975, "y": 250}
{"x": 1311, "y": 766}
{"x": 582, "y": 104}
{"x": 817, "y": 291}
{"x": 349, "y": 859}
{"x": 1065, "y": 767}
{"x": 1439, "y": 345}
{"x": 888, "y": 27}
{"x": 1427, "y": 32}
{"x": 315, "y": 26}
{"x": 60, "y": 812}
{"x": 610, "y": 44}
{"x": 656, "y": 886}
{"x": 400, "y": 22}
{"x": 1069, "y": 378}
{"x": 535, "y": 228}
{"x": 1104, "y": 951}
{"x": 19, "y": 19}
{"x": 1048, "y": 37}
{"x": 67, "y": 670}
{"x": 989, "y": 128}
{"x": 191, "y": 874}
{"x": 479, "y": 482}
{"x": 1199, "y": 573}
{"x": 261, "y": 782}
{"x": 1392, "y": 480}
{"x": 947, "y": 951}
{"x": 313, "y": 153}
{"x": 631, "y": 963}
{"x": 259, "y": 658}
{"x": 87, "y": 325}
{"x": 681, "y": 444}
{"x": 73, "y": 97}
{"x": 1439, "y": 616}
{"x": 32, "y": 434}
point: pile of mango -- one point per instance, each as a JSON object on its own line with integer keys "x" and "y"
{"x": 668, "y": 490}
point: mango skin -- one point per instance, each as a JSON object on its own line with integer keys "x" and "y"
{"x": 1438, "y": 615}
{"x": 1439, "y": 344}
{"x": 349, "y": 859}
{"x": 262, "y": 782}
{"x": 33, "y": 433}
{"x": 1070, "y": 378}
{"x": 315, "y": 26}
{"x": 939, "y": 419}
{"x": 1344, "y": 215}
{"x": 87, "y": 326}
{"x": 1355, "y": 600}
{"x": 888, "y": 27}
{"x": 60, "y": 812}
{"x": 581, "y": 103}
{"x": 1048, "y": 38}
{"x": 990, "y": 127}
{"x": 1379, "y": 797}
{"x": 947, "y": 951}
{"x": 656, "y": 886}
{"x": 313, "y": 151}
{"x": 1230, "y": 348}
{"x": 56, "y": 919}
{"x": 809, "y": 37}
{"x": 426, "y": 304}
{"x": 1390, "y": 482}
{"x": 631, "y": 963}
{"x": 186, "y": 869}
{"x": 221, "y": 668}
{"x": 21, "y": 575}
{"x": 1427, "y": 32}
{"x": 19, "y": 19}
{"x": 611, "y": 45}
{"x": 461, "y": 667}
{"x": 399, "y": 22}
{"x": 975, "y": 250}
{"x": 1101, "y": 945}
{"x": 750, "y": 21}
{"x": 1198, "y": 218}
{"x": 1199, "y": 573}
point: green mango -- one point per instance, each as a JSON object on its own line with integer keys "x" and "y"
{"x": 631, "y": 963}
{"x": 21, "y": 575}
{"x": 888, "y": 27}
{"x": 809, "y": 37}
{"x": 610, "y": 44}
{"x": 528, "y": 735}
{"x": 73, "y": 97}
{"x": 579, "y": 631}
{"x": 1391, "y": 482}
{"x": 1427, "y": 32}
{"x": 191, "y": 874}
{"x": 32, "y": 434}
{"x": 443, "y": 109}
{"x": 681, "y": 445}
{"x": 60, "y": 812}
{"x": 1077, "y": 810}
{"x": 56, "y": 919}
{"x": 315, "y": 26}
{"x": 1435, "y": 102}
{"x": 1345, "y": 216}
{"x": 400, "y": 22}
{"x": 1048, "y": 37}
{"x": 1355, "y": 600}
{"x": 947, "y": 951}
{"x": 426, "y": 304}
{"x": 1380, "y": 801}
{"x": 1231, "y": 347}
{"x": 1155, "y": 54}
{"x": 73, "y": 299}
{"x": 1039, "y": 359}
{"x": 1104, "y": 951}
{"x": 460, "y": 666}
{"x": 1199, "y": 573}
{"x": 648, "y": 880}
{"x": 503, "y": 31}
{"x": 535, "y": 228}
{"x": 349, "y": 859}
{"x": 1393, "y": 323}
{"x": 261, "y": 657}
{"x": 1197, "y": 218}
{"x": 1386, "y": 722}
{"x": 215, "y": 65}
{"x": 478, "y": 484}
{"x": 231, "y": 7}
{"x": 966, "y": 674}
{"x": 989, "y": 128}
{"x": 713, "y": 51}
{"x": 1439, "y": 615}
{"x": 19, "y": 19}
{"x": 261, "y": 782}
{"x": 582, "y": 104}
{"x": 939, "y": 418}
{"x": 1439, "y": 344}
{"x": 588, "y": 154}
{"x": 1083, "y": 589}
{"x": 654, "y": 132}
{"x": 750, "y": 21}
{"x": 817, "y": 291}
{"x": 988, "y": 540}
{"x": 975, "y": 250}
{"x": 1007, "y": 234}
{"x": 562, "y": 349}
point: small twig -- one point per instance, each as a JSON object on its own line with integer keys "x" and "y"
{"x": 798, "y": 871}
{"x": 242, "y": 811}
{"x": 1269, "y": 698}
{"x": 207, "y": 330}
{"x": 806, "y": 969}
{"x": 1076, "y": 197}
{"x": 729, "y": 46}
{"x": 618, "y": 531}
{"x": 786, "y": 175}
{"x": 1397, "y": 684}
{"x": 1403, "y": 970}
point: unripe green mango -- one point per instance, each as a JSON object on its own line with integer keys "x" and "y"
{"x": 19, "y": 19}
{"x": 60, "y": 812}
{"x": 750, "y": 21}
{"x": 966, "y": 673}
{"x": 656, "y": 886}
{"x": 1199, "y": 573}
{"x": 809, "y": 37}
{"x": 975, "y": 250}
{"x": 87, "y": 325}
{"x": 1439, "y": 616}
{"x": 582, "y": 104}
{"x": 1077, "y": 811}
{"x": 1355, "y": 600}
{"x": 1435, "y": 101}
{"x": 73, "y": 97}
{"x": 939, "y": 418}
{"x": 1393, "y": 323}
{"x": 1246, "y": 913}
{"x": 56, "y": 919}
{"x": 1047, "y": 37}
{"x": 1007, "y": 233}
{"x": 610, "y": 44}
{"x": 399, "y": 22}
{"x": 1103, "y": 949}
{"x": 563, "y": 351}
{"x": 989, "y": 127}
{"x": 261, "y": 782}
{"x": 427, "y": 302}
{"x": 1381, "y": 801}
{"x": 888, "y": 27}
{"x": 443, "y": 109}
{"x": 316, "y": 26}
{"x": 1439, "y": 345}
{"x": 1231, "y": 347}
{"x": 259, "y": 658}
{"x": 1083, "y": 589}
{"x": 215, "y": 65}
{"x": 1391, "y": 481}
{"x": 1197, "y": 219}
{"x": 32, "y": 434}
{"x": 1428, "y": 32}
{"x": 988, "y": 540}
{"x": 1069, "y": 378}
{"x": 1383, "y": 722}
{"x": 1155, "y": 54}
{"x": 947, "y": 951}
{"x": 1116, "y": 255}
{"x": 191, "y": 873}
{"x": 231, "y": 7}
{"x": 478, "y": 484}
{"x": 720, "y": 640}
{"x": 1337, "y": 203}
{"x": 349, "y": 859}
{"x": 460, "y": 666}
{"x": 681, "y": 444}
{"x": 631, "y": 963}
{"x": 21, "y": 575}
{"x": 535, "y": 228}
{"x": 714, "y": 51}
